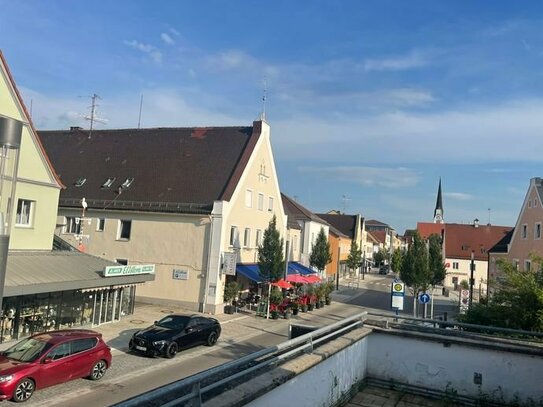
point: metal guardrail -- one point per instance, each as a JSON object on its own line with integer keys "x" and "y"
{"x": 463, "y": 326}
{"x": 266, "y": 357}
{"x": 194, "y": 208}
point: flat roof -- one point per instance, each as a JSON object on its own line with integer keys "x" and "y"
{"x": 34, "y": 272}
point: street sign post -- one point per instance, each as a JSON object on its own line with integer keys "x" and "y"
{"x": 464, "y": 300}
{"x": 397, "y": 290}
{"x": 424, "y": 298}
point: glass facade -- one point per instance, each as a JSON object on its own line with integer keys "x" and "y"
{"x": 25, "y": 315}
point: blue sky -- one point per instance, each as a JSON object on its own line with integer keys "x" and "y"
{"x": 368, "y": 100}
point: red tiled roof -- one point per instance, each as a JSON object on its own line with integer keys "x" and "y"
{"x": 379, "y": 235}
{"x": 461, "y": 239}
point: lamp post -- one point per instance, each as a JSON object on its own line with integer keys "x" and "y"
{"x": 10, "y": 143}
{"x": 471, "y": 279}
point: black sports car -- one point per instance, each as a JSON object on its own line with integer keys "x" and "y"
{"x": 175, "y": 332}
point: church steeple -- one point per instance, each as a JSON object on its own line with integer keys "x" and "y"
{"x": 438, "y": 212}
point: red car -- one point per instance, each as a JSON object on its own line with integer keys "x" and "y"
{"x": 51, "y": 358}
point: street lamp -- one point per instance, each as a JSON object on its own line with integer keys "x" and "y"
{"x": 471, "y": 279}
{"x": 10, "y": 143}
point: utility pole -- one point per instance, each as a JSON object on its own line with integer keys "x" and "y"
{"x": 471, "y": 279}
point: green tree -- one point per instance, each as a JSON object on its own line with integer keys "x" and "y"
{"x": 435, "y": 260}
{"x": 517, "y": 303}
{"x": 271, "y": 262}
{"x": 415, "y": 272}
{"x": 320, "y": 252}
{"x": 379, "y": 257}
{"x": 397, "y": 259}
{"x": 354, "y": 260}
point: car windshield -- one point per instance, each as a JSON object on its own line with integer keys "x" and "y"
{"x": 173, "y": 322}
{"x": 27, "y": 350}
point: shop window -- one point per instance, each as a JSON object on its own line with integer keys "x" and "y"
{"x": 125, "y": 227}
{"x": 25, "y": 210}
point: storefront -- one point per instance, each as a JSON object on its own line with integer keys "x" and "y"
{"x": 59, "y": 290}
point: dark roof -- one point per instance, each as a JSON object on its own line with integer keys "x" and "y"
{"x": 295, "y": 211}
{"x": 501, "y": 246}
{"x": 173, "y": 169}
{"x": 439, "y": 200}
{"x": 346, "y": 224}
{"x": 373, "y": 222}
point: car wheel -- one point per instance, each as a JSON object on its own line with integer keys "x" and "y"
{"x": 212, "y": 339}
{"x": 24, "y": 390}
{"x": 171, "y": 350}
{"x": 98, "y": 370}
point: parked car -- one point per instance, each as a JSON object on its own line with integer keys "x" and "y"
{"x": 175, "y": 332}
{"x": 384, "y": 269}
{"x": 50, "y": 358}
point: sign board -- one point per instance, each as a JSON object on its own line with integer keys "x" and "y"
{"x": 120, "y": 270}
{"x": 464, "y": 301}
{"x": 229, "y": 263}
{"x": 397, "y": 290}
{"x": 424, "y": 298}
{"x": 180, "y": 274}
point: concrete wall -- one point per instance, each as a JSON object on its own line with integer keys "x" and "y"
{"x": 324, "y": 384}
{"x": 430, "y": 364}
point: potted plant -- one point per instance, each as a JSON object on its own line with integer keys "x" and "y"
{"x": 320, "y": 293}
{"x": 231, "y": 290}
{"x": 310, "y": 297}
{"x": 303, "y": 303}
{"x": 295, "y": 308}
{"x": 276, "y": 297}
{"x": 329, "y": 287}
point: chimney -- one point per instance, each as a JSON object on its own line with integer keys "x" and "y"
{"x": 75, "y": 128}
{"x": 536, "y": 181}
{"x": 476, "y": 223}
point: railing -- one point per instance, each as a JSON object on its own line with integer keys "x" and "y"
{"x": 195, "y": 208}
{"x": 189, "y": 391}
{"x": 460, "y": 326}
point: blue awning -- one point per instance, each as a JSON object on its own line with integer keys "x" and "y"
{"x": 296, "y": 268}
{"x": 251, "y": 270}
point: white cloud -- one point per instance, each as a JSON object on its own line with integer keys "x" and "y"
{"x": 150, "y": 50}
{"x": 475, "y": 134}
{"x": 167, "y": 39}
{"x": 459, "y": 196}
{"x": 368, "y": 176}
{"x": 410, "y": 61}
{"x": 175, "y": 32}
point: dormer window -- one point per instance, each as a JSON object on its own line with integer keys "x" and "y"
{"x": 109, "y": 182}
{"x": 80, "y": 181}
{"x": 127, "y": 182}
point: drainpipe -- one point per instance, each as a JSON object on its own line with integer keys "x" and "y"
{"x": 206, "y": 287}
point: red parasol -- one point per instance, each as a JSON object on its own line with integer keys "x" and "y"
{"x": 282, "y": 284}
{"x": 312, "y": 278}
{"x": 296, "y": 278}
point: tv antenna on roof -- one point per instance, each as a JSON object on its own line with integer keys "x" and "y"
{"x": 93, "y": 118}
{"x": 344, "y": 198}
{"x": 264, "y": 97}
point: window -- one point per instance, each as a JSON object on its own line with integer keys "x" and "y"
{"x": 260, "y": 202}
{"x": 124, "y": 229}
{"x": 527, "y": 265}
{"x": 124, "y": 262}
{"x": 537, "y": 231}
{"x": 516, "y": 263}
{"x": 127, "y": 182}
{"x": 455, "y": 280}
{"x": 73, "y": 225}
{"x": 524, "y": 231}
{"x": 270, "y": 204}
{"x": 60, "y": 351}
{"x": 455, "y": 265}
{"x": 80, "y": 182}
{"x": 530, "y": 203}
{"x": 81, "y": 345}
{"x": 258, "y": 241}
{"x": 247, "y": 238}
{"x": 249, "y": 198}
{"x": 24, "y": 212}
{"x": 100, "y": 223}
{"x": 109, "y": 182}
{"x": 233, "y": 235}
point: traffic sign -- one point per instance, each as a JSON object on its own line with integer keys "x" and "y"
{"x": 397, "y": 289}
{"x": 424, "y": 298}
{"x": 464, "y": 301}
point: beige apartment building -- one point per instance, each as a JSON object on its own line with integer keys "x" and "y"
{"x": 192, "y": 201}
